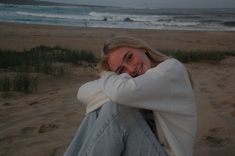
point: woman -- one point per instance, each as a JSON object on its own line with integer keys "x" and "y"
{"x": 140, "y": 78}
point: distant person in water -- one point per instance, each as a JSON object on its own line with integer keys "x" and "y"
{"x": 142, "y": 105}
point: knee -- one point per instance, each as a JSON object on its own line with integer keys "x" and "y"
{"x": 111, "y": 109}
{"x": 108, "y": 110}
{"x": 119, "y": 114}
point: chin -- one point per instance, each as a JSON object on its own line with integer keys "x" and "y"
{"x": 142, "y": 73}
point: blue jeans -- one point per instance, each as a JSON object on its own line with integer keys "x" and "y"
{"x": 114, "y": 130}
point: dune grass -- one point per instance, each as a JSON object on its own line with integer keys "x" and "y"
{"x": 41, "y": 59}
{"x": 21, "y": 82}
{"x": 53, "y": 61}
{"x": 187, "y": 56}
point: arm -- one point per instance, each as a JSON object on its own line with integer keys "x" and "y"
{"x": 152, "y": 90}
{"x": 91, "y": 96}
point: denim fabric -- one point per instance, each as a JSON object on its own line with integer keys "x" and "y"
{"x": 114, "y": 130}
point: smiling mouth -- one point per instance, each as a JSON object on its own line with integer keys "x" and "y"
{"x": 140, "y": 70}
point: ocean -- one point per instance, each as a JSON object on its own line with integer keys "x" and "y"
{"x": 115, "y": 17}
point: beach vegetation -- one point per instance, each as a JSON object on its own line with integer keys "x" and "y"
{"x": 21, "y": 82}
{"x": 187, "y": 56}
{"x": 54, "y": 61}
{"x": 5, "y": 84}
{"x": 48, "y": 60}
{"x": 41, "y": 59}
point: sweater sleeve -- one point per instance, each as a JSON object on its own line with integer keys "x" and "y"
{"x": 145, "y": 90}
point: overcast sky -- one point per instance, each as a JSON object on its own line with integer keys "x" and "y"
{"x": 157, "y": 3}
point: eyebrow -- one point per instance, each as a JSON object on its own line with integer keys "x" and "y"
{"x": 123, "y": 59}
{"x": 125, "y": 56}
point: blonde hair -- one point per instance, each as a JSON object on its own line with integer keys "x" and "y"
{"x": 124, "y": 41}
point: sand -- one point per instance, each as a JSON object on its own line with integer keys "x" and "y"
{"x": 20, "y": 36}
{"x": 44, "y": 123}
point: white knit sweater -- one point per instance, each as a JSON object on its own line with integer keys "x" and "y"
{"x": 164, "y": 89}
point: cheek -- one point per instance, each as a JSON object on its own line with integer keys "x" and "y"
{"x": 112, "y": 63}
{"x": 147, "y": 63}
{"x": 147, "y": 66}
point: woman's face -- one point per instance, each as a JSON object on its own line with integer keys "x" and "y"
{"x": 129, "y": 60}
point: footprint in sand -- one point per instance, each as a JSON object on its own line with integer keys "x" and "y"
{"x": 213, "y": 139}
{"x": 215, "y": 130}
{"x": 47, "y": 127}
{"x": 222, "y": 79}
{"x": 233, "y": 105}
{"x": 33, "y": 103}
{"x": 57, "y": 150}
{"x": 29, "y": 131}
{"x": 233, "y": 113}
{"x": 215, "y": 104}
{"x": 220, "y": 86}
{"x": 6, "y": 104}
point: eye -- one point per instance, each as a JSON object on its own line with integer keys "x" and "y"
{"x": 120, "y": 70}
{"x": 129, "y": 57}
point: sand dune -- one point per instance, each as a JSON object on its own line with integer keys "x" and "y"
{"x": 214, "y": 90}
{"x": 44, "y": 123}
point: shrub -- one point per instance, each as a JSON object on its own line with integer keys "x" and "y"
{"x": 21, "y": 82}
{"x": 5, "y": 84}
{"x": 197, "y": 55}
{"x": 42, "y": 59}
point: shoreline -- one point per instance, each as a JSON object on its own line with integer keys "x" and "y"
{"x": 83, "y": 27}
{"x": 17, "y": 36}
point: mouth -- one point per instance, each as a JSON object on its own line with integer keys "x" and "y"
{"x": 138, "y": 71}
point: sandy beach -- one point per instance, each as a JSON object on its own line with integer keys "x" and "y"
{"x": 44, "y": 123}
